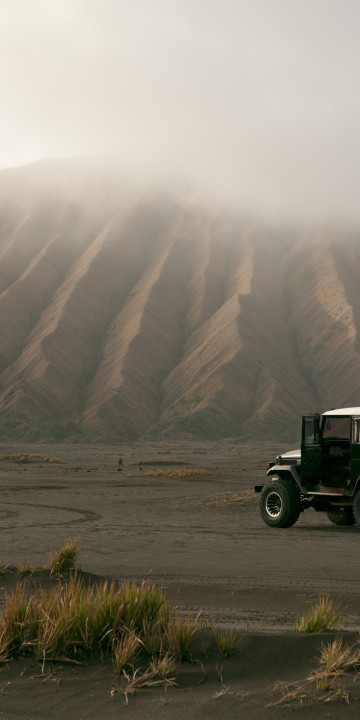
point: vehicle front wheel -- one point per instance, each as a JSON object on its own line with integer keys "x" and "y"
{"x": 280, "y": 504}
{"x": 341, "y": 516}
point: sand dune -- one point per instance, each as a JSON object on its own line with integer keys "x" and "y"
{"x": 145, "y": 313}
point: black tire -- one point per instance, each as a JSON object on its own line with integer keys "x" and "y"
{"x": 280, "y": 504}
{"x": 341, "y": 516}
{"x": 356, "y": 507}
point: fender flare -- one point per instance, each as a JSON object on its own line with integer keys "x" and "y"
{"x": 283, "y": 470}
{"x": 356, "y": 487}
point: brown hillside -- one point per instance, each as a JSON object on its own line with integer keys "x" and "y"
{"x": 139, "y": 313}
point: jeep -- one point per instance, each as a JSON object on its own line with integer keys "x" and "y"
{"x": 324, "y": 474}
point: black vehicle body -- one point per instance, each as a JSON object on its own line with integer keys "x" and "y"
{"x": 324, "y": 474}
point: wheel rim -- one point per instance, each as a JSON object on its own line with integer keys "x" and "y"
{"x": 273, "y": 504}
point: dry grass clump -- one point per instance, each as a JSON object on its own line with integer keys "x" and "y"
{"x": 24, "y": 457}
{"x": 72, "y": 622}
{"x": 189, "y": 473}
{"x": 336, "y": 657}
{"x": 307, "y": 691}
{"x": 64, "y": 560}
{"x": 325, "y": 684}
{"x": 132, "y": 622}
{"x": 30, "y": 457}
{"x": 148, "y": 678}
{"x": 247, "y": 497}
{"x": 323, "y": 615}
{"x": 163, "y": 665}
{"x": 157, "y": 462}
{"x": 125, "y": 650}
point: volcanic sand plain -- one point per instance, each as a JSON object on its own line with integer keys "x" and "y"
{"x": 183, "y": 515}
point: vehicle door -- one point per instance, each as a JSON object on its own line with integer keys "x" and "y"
{"x": 311, "y": 449}
{"x": 355, "y": 451}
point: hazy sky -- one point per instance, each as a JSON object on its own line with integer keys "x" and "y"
{"x": 257, "y": 99}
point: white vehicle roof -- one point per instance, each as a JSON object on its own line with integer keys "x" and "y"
{"x": 344, "y": 411}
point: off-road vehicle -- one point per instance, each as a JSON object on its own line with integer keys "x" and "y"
{"x": 324, "y": 474}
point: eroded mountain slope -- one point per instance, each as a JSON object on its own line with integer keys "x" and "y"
{"x": 152, "y": 313}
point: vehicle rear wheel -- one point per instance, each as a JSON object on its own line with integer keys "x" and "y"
{"x": 356, "y": 507}
{"x": 280, "y": 504}
{"x": 341, "y": 516}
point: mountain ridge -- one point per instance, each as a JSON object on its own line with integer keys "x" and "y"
{"x": 135, "y": 313}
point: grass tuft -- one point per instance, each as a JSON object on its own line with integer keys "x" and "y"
{"x": 125, "y": 650}
{"x": 337, "y": 657}
{"x": 64, "y": 560}
{"x": 3, "y": 566}
{"x": 164, "y": 666}
{"x": 25, "y": 568}
{"x": 323, "y": 615}
{"x": 226, "y": 641}
{"x": 145, "y": 679}
{"x": 153, "y": 637}
{"x": 180, "y": 635}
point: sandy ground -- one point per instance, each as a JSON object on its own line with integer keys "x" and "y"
{"x": 202, "y": 538}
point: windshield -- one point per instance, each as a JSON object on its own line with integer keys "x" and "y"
{"x": 336, "y": 427}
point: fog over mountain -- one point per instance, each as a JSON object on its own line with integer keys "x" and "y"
{"x": 255, "y": 100}
{"x": 133, "y": 311}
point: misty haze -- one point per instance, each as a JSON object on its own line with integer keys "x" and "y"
{"x": 256, "y": 101}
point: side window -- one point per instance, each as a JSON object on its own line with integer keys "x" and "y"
{"x": 311, "y": 431}
{"x": 356, "y": 431}
{"x": 337, "y": 427}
